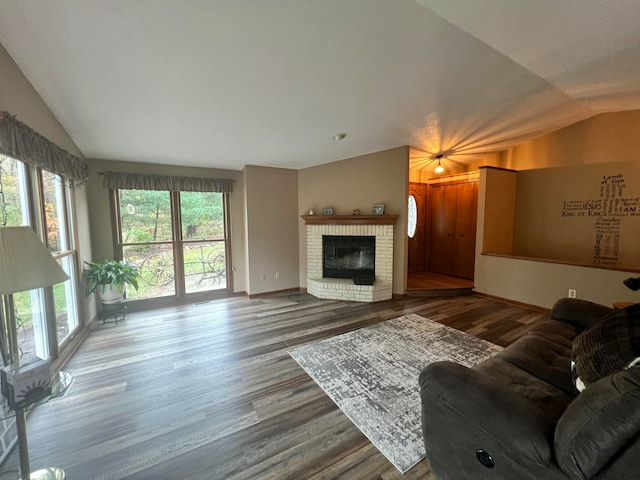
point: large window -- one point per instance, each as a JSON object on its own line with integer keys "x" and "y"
{"x": 57, "y": 205}
{"x": 41, "y": 199}
{"x": 177, "y": 239}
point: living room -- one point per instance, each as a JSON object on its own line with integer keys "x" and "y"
{"x": 268, "y": 236}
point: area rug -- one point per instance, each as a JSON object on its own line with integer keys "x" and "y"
{"x": 372, "y": 375}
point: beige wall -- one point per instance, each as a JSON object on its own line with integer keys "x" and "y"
{"x": 19, "y": 98}
{"x": 272, "y": 229}
{"x": 551, "y": 224}
{"x": 496, "y": 205}
{"x": 359, "y": 183}
{"x": 100, "y": 211}
{"x": 610, "y": 137}
{"x": 606, "y": 138}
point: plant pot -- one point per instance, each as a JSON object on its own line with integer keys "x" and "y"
{"x": 111, "y": 294}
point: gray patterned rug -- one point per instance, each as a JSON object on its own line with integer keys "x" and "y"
{"x": 372, "y": 375}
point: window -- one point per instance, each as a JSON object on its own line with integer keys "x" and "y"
{"x": 412, "y": 216}
{"x": 41, "y": 199}
{"x": 177, "y": 239}
{"x": 56, "y": 198}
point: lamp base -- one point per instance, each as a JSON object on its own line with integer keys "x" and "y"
{"x": 50, "y": 473}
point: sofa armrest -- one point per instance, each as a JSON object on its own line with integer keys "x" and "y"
{"x": 579, "y": 313}
{"x": 599, "y": 433}
{"x": 464, "y": 410}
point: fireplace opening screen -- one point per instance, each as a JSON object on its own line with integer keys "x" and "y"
{"x": 348, "y": 256}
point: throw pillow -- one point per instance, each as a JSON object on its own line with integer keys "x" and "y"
{"x": 606, "y": 347}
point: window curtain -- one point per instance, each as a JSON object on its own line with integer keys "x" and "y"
{"x": 142, "y": 181}
{"x": 20, "y": 141}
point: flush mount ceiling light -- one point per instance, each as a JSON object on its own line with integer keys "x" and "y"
{"x": 339, "y": 136}
{"x": 439, "y": 168}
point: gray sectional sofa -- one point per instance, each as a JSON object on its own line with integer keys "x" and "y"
{"x": 519, "y": 415}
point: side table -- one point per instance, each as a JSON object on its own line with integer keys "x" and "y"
{"x": 621, "y": 305}
{"x": 114, "y": 311}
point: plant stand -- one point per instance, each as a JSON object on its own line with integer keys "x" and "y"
{"x": 112, "y": 312}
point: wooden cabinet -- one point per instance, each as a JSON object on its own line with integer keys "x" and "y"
{"x": 453, "y": 228}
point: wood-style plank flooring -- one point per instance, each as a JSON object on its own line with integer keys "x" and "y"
{"x": 208, "y": 391}
{"x": 435, "y": 281}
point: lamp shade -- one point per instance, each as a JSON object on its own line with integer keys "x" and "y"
{"x": 25, "y": 263}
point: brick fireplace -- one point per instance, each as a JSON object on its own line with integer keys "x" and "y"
{"x": 378, "y": 226}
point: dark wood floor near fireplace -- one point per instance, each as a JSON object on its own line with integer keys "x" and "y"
{"x": 208, "y": 391}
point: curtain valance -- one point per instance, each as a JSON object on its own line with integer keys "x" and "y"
{"x": 143, "y": 181}
{"x": 23, "y": 143}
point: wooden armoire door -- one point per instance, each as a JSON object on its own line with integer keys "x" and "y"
{"x": 453, "y": 228}
{"x": 466, "y": 217}
{"x": 443, "y": 228}
{"x": 417, "y": 244}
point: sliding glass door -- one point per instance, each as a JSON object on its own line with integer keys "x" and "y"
{"x": 203, "y": 241}
{"x": 177, "y": 239}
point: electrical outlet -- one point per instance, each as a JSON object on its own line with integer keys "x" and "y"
{"x": 572, "y": 293}
{"x": 277, "y": 274}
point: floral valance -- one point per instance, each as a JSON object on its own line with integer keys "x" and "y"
{"x": 20, "y": 141}
{"x": 143, "y": 181}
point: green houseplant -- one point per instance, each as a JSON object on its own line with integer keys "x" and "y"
{"x": 109, "y": 278}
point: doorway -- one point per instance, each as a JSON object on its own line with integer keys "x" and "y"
{"x": 442, "y": 233}
{"x": 178, "y": 240}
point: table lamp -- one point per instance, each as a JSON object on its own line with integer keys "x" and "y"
{"x": 25, "y": 264}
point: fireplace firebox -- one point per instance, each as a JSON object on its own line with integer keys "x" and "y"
{"x": 349, "y": 256}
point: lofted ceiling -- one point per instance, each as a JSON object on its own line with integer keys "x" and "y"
{"x": 226, "y": 83}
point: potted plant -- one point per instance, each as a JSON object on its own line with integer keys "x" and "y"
{"x": 109, "y": 279}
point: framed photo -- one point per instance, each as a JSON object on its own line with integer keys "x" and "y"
{"x": 327, "y": 211}
{"x": 378, "y": 209}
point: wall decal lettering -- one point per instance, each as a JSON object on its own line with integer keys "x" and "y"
{"x": 609, "y": 210}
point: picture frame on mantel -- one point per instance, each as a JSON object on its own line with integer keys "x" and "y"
{"x": 327, "y": 211}
{"x": 378, "y": 209}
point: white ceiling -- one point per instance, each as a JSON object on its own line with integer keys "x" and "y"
{"x": 226, "y": 83}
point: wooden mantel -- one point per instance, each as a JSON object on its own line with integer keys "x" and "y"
{"x": 350, "y": 219}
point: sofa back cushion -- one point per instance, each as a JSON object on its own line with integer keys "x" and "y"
{"x": 608, "y": 346}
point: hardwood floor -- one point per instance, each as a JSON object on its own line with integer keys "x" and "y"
{"x": 430, "y": 281}
{"x": 208, "y": 391}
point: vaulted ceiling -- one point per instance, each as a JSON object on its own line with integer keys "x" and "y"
{"x": 225, "y": 83}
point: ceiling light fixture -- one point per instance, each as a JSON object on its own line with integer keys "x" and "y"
{"x": 439, "y": 168}
{"x": 339, "y": 136}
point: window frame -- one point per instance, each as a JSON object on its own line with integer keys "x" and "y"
{"x": 32, "y": 196}
{"x": 177, "y": 242}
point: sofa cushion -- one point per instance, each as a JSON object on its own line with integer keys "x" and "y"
{"x": 549, "y": 400}
{"x": 608, "y": 346}
{"x": 544, "y": 357}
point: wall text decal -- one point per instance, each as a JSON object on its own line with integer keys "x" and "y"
{"x": 609, "y": 210}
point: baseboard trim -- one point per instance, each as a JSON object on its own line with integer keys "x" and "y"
{"x": 514, "y": 302}
{"x": 441, "y": 292}
{"x": 276, "y": 292}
